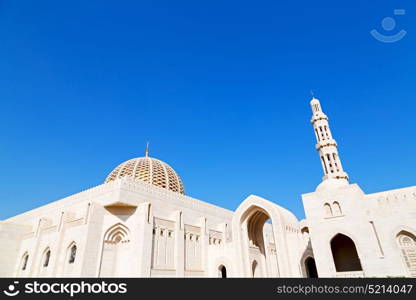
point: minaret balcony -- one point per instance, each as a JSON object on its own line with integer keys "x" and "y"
{"x": 319, "y": 116}
{"x": 326, "y": 143}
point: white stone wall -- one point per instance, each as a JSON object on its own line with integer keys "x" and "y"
{"x": 179, "y": 246}
{"x": 132, "y": 229}
{"x": 371, "y": 221}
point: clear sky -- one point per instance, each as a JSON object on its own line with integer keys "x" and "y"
{"x": 219, "y": 88}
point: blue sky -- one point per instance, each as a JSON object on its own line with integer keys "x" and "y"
{"x": 219, "y": 88}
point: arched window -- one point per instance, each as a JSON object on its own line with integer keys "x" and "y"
{"x": 317, "y": 135}
{"x": 328, "y": 210}
{"x": 46, "y": 258}
{"x": 407, "y": 245}
{"x": 345, "y": 254}
{"x": 310, "y": 266}
{"x": 337, "y": 209}
{"x": 222, "y": 271}
{"x": 72, "y": 254}
{"x": 25, "y": 259}
{"x": 335, "y": 161}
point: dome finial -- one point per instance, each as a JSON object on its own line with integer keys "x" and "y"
{"x": 312, "y": 94}
{"x": 146, "y": 153}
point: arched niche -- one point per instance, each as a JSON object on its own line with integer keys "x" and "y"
{"x": 344, "y": 253}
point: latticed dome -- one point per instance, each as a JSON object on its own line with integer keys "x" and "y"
{"x": 150, "y": 170}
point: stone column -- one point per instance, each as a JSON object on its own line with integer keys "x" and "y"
{"x": 93, "y": 241}
{"x": 204, "y": 245}
{"x": 143, "y": 243}
{"x": 179, "y": 245}
{"x": 34, "y": 260}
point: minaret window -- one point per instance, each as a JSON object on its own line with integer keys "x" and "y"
{"x": 337, "y": 209}
{"x": 317, "y": 134}
{"x": 335, "y": 161}
{"x": 328, "y": 210}
{"x": 329, "y": 162}
{"x": 323, "y": 163}
{"x": 322, "y": 133}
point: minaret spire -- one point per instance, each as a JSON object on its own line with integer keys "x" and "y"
{"x": 326, "y": 145}
{"x": 146, "y": 153}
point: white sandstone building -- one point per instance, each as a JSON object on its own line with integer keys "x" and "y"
{"x": 140, "y": 223}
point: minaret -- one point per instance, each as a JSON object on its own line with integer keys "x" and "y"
{"x": 326, "y": 145}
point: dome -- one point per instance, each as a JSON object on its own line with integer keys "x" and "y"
{"x": 149, "y": 170}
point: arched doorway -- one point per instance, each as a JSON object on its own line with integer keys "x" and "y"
{"x": 345, "y": 254}
{"x": 310, "y": 267}
{"x": 259, "y": 238}
{"x": 260, "y": 228}
{"x": 222, "y": 271}
{"x": 407, "y": 245}
{"x": 257, "y": 251}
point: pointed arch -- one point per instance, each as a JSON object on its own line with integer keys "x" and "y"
{"x": 407, "y": 244}
{"x": 71, "y": 259}
{"x": 22, "y": 265}
{"x": 24, "y": 261}
{"x": 252, "y": 213}
{"x": 328, "y": 210}
{"x": 226, "y": 263}
{"x": 46, "y": 256}
{"x": 117, "y": 233}
{"x": 255, "y": 224}
{"x": 43, "y": 266}
{"x": 115, "y": 254}
{"x": 222, "y": 271}
{"x": 336, "y": 208}
{"x": 253, "y": 267}
{"x": 406, "y": 239}
{"x": 310, "y": 267}
{"x": 344, "y": 253}
{"x": 71, "y": 253}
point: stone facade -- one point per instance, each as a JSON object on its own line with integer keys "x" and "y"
{"x": 147, "y": 227}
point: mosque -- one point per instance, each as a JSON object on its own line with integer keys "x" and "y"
{"x": 141, "y": 223}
